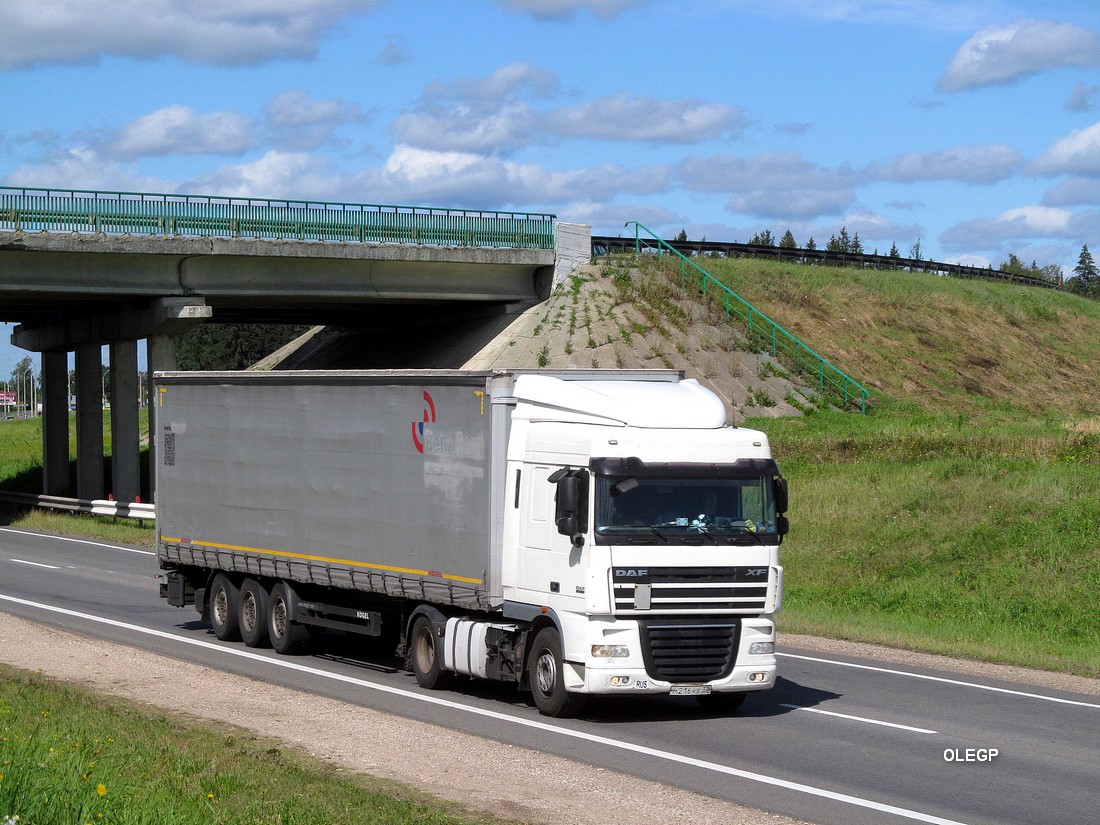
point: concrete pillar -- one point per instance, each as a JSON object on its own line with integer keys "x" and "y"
{"x": 125, "y": 437}
{"x": 161, "y": 356}
{"x": 55, "y": 423}
{"x": 89, "y": 421}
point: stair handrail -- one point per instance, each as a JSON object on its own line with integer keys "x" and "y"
{"x": 829, "y": 375}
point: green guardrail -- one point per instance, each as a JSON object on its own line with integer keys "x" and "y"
{"x": 143, "y": 213}
{"x": 831, "y": 381}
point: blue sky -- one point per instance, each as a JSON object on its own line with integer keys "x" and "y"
{"x": 972, "y": 127}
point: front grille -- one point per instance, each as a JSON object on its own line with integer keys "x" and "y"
{"x": 690, "y": 651}
{"x": 682, "y": 590}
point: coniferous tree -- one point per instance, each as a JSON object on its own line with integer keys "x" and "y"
{"x": 855, "y": 246}
{"x": 1086, "y": 272}
{"x": 811, "y": 243}
{"x": 787, "y": 241}
{"x": 763, "y": 238}
{"x": 894, "y": 251}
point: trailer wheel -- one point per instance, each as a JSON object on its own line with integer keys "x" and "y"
{"x": 426, "y": 654}
{"x": 225, "y": 608}
{"x": 547, "y": 677}
{"x": 253, "y": 603}
{"x": 286, "y": 636}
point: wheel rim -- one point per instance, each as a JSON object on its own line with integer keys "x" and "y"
{"x": 546, "y": 673}
{"x": 248, "y": 612}
{"x": 425, "y": 650}
{"x": 278, "y": 618}
{"x": 221, "y": 606}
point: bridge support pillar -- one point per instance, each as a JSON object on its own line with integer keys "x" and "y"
{"x": 55, "y": 423}
{"x": 89, "y": 421}
{"x": 125, "y": 435}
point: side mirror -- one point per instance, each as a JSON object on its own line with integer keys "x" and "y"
{"x": 779, "y": 488}
{"x": 782, "y": 525}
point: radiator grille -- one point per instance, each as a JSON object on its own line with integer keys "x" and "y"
{"x": 690, "y": 651}
{"x": 680, "y": 590}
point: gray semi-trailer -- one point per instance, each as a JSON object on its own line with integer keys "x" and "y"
{"x": 581, "y": 532}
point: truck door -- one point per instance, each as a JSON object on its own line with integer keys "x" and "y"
{"x": 549, "y": 564}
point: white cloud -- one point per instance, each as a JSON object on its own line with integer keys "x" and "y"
{"x": 776, "y": 184}
{"x": 82, "y": 167}
{"x": 486, "y": 123}
{"x": 503, "y": 82}
{"x": 1013, "y": 225}
{"x": 180, "y": 130}
{"x": 300, "y": 122}
{"x": 625, "y": 117}
{"x": 1081, "y": 99}
{"x": 1078, "y": 153}
{"x": 969, "y": 164}
{"x": 1074, "y": 192}
{"x": 564, "y": 9}
{"x": 1002, "y": 54}
{"x": 277, "y": 174}
{"x": 413, "y": 174}
{"x": 467, "y": 128}
{"x": 204, "y": 31}
{"x": 395, "y": 52}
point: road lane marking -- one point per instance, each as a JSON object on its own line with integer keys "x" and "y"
{"x": 668, "y": 756}
{"x": 35, "y": 564}
{"x": 77, "y": 541}
{"x": 857, "y": 718}
{"x": 945, "y": 680}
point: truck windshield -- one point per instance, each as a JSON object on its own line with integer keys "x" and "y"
{"x": 721, "y": 508}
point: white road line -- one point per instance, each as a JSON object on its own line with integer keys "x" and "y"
{"x": 290, "y": 664}
{"x": 77, "y": 541}
{"x": 35, "y": 564}
{"x": 945, "y": 680}
{"x": 857, "y": 718}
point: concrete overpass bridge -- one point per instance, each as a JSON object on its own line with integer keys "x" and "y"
{"x": 81, "y": 270}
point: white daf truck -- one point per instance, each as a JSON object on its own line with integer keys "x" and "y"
{"x": 575, "y": 533}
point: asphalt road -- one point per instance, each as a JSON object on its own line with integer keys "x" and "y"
{"x": 839, "y": 741}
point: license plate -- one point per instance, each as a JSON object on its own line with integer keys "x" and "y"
{"x": 689, "y": 690}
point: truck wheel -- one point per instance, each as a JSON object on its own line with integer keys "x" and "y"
{"x": 225, "y": 609}
{"x": 722, "y": 702}
{"x": 547, "y": 677}
{"x": 426, "y": 654}
{"x": 254, "y": 613}
{"x": 286, "y": 636}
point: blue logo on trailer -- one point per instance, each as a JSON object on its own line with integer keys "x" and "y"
{"x": 418, "y": 426}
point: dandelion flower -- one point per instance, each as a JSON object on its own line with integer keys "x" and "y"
{"x": 101, "y": 789}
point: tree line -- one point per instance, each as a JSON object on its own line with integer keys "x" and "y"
{"x": 1086, "y": 281}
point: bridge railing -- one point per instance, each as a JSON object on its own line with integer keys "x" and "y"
{"x": 140, "y": 213}
{"x": 832, "y": 382}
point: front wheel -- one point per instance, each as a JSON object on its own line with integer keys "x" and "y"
{"x": 547, "y": 677}
{"x": 426, "y": 653}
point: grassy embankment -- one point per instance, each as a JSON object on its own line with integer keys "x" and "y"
{"x": 962, "y": 515}
{"x": 68, "y": 756}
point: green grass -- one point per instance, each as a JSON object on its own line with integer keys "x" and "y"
{"x": 935, "y": 533}
{"x": 70, "y": 756}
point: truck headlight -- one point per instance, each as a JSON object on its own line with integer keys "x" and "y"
{"x": 610, "y": 651}
{"x": 762, "y": 648}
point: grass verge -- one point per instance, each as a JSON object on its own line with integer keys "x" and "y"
{"x": 937, "y": 534}
{"x": 67, "y": 755}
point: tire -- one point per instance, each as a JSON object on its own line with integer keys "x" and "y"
{"x": 287, "y": 636}
{"x": 426, "y": 656}
{"x": 723, "y": 702}
{"x": 547, "y": 677}
{"x": 225, "y": 608}
{"x": 253, "y": 603}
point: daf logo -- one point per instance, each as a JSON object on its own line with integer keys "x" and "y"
{"x": 624, "y": 572}
{"x": 756, "y": 571}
